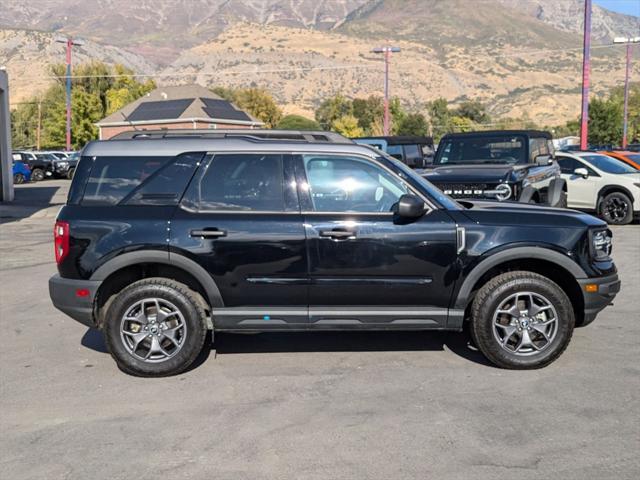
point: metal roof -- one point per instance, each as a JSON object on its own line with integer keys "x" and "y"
{"x": 488, "y": 133}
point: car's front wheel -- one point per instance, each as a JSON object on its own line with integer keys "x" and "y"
{"x": 37, "y": 175}
{"x": 522, "y": 320}
{"x": 155, "y": 327}
{"x": 616, "y": 209}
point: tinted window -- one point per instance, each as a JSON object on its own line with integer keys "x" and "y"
{"x": 568, "y": 165}
{"x": 342, "y": 184}
{"x": 608, "y": 164}
{"x": 493, "y": 149}
{"x": 113, "y": 178}
{"x": 413, "y": 155}
{"x": 166, "y": 185}
{"x": 244, "y": 182}
{"x": 395, "y": 151}
{"x": 538, "y": 146}
{"x": 634, "y": 157}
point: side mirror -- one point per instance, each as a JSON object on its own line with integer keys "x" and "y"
{"x": 410, "y": 206}
{"x": 544, "y": 160}
{"x": 582, "y": 172}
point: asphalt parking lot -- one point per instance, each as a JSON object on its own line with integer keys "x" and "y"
{"x": 305, "y": 406}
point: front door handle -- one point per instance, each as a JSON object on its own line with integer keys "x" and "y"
{"x": 208, "y": 233}
{"x": 338, "y": 233}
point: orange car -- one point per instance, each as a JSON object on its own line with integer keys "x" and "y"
{"x": 630, "y": 158}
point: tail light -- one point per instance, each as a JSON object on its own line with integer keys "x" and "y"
{"x": 61, "y": 240}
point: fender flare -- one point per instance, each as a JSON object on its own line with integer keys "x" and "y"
{"x": 538, "y": 253}
{"x": 527, "y": 194}
{"x": 158, "y": 256}
{"x": 554, "y": 192}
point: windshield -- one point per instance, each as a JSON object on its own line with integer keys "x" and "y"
{"x": 417, "y": 181}
{"x": 608, "y": 164}
{"x": 45, "y": 156}
{"x": 497, "y": 149}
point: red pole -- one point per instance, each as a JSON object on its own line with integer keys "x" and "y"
{"x": 625, "y": 118}
{"x": 387, "y": 119}
{"x": 68, "y": 127}
{"x": 584, "y": 116}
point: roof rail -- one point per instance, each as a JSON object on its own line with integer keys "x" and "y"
{"x": 255, "y": 135}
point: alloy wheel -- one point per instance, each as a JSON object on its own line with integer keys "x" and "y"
{"x": 153, "y": 330}
{"x": 615, "y": 210}
{"x": 525, "y": 323}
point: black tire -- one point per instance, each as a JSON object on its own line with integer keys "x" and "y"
{"x": 616, "y": 209}
{"x": 494, "y": 294}
{"x": 18, "y": 179}
{"x": 191, "y": 340}
{"x": 70, "y": 173}
{"x": 563, "y": 202}
{"x": 37, "y": 175}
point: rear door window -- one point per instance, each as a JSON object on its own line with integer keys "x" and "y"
{"x": 239, "y": 182}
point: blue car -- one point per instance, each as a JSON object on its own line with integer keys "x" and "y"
{"x": 21, "y": 173}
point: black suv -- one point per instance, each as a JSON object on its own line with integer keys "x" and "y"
{"x": 166, "y": 237}
{"x": 516, "y": 165}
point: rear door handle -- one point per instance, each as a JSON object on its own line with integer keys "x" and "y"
{"x": 338, "y": 233}
{"x": 208, "y": 233}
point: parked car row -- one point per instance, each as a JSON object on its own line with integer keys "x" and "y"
{"x": 522, "y": 166}
{"x": 42, "y": 165}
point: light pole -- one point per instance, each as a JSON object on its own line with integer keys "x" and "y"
{"x": 388, "y": 50}
{"x": 584, "y": 116}
{"x": 629, "y": 42}
{"x": 69, "y": 42}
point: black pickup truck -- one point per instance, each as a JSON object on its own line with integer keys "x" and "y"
{"x": 516, "y": 165}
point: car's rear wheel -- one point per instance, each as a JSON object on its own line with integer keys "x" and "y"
{"x": 37, "y": 175}
{"x": 155, "y": 327}
{"x": 616, "y": 209}
{"x": 18, "y": 178}
{"x": 522, "y": 320}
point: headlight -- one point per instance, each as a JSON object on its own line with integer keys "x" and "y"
{"x": 502, "y": 192}
{"x": 601, "y": 244}
{"x": 63, "y": 164}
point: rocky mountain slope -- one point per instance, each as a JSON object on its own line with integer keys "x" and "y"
{"x": 519, "y": 56}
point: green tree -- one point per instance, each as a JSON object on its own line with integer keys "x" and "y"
{"x": 333, "y": 109}
{"x": 86, "y": 110}
{"x": 474, "y": 110}
{"x": 259, "y": 103}
{"x": 605, "y": 121}
{"x": 439, "y": 117}
{"x": 297, "y": 122}
{"x": 413, "y": 124}
{"x": 347, "y": 125}
{"x": 369, "y": 112}
{"x": 461, "y": 124}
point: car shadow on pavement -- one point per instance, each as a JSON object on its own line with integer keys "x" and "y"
{"x": 298, "y": 342}
{"x": 29, "y": 200}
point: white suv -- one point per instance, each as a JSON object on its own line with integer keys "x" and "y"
{"x": 602, "y": 184}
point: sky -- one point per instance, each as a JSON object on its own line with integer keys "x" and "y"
{"x": 630, "y": 7}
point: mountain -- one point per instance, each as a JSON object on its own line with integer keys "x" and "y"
{"x": 518, "y": 56}
{"x": 27, "y": 54}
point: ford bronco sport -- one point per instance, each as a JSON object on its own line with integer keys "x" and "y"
{"x": 167, "y": 235}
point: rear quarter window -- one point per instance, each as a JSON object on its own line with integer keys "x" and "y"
{"x": 138, "y": 180}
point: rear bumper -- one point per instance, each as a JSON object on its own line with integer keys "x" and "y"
{"x": 595, "y": 302}
{"x": 64, "y": 295}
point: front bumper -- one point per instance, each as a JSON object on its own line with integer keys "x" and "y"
{"x": 64, "y": 293}
{"x": 594, "y": 302}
